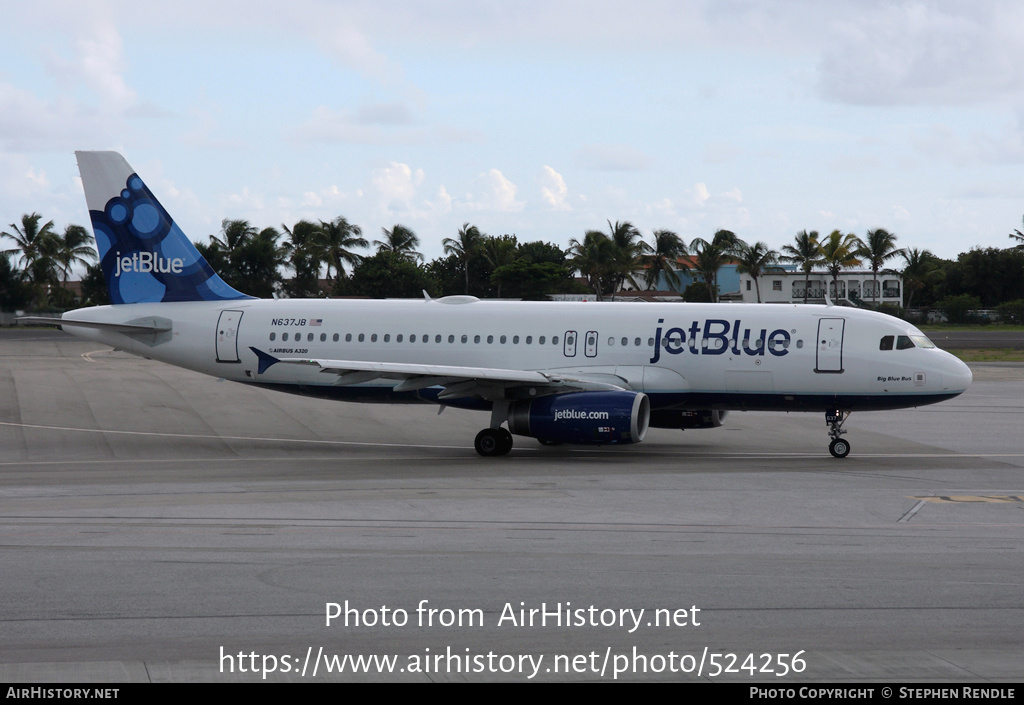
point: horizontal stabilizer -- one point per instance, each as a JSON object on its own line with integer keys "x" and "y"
{"x": 127, "y": 328}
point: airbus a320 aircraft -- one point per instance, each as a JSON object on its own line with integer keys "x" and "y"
{"x": 584, "y": 373}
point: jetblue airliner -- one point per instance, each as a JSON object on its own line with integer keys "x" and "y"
{"x": 578, "y": 373}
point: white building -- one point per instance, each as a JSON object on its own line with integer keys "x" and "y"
{"x": 857, "y": 287}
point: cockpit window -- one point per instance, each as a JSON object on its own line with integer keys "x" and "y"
{"x": 903, "y": 342}
{"x": 922, "y": 341}
{"x": 886, "y": 343}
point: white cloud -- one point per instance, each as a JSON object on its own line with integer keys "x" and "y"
{"x": 397, "y": 182}
{"x": 612, "y": 157}
{"x": 553, "y": 189}
{"x": 330, "y": 196}
{"x": 39, "y": 179}
{"x": 354, "y": 49}
{"x": 97, "y": 63}
{"x": 376, "y": 124}
{"x": 923, "y": 53}
{"x": 246, "y": 200}
{"x": 492, "y": 191}
{"x": 442, "y": 203}
{"x": 700, "y": 193}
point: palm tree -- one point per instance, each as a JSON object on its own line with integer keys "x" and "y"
{"x": 235, "y": 234}
{"x": 594, "y": 257}
{"x": 711, "y": 256}
{"x": 259, "y": 263}
{"x": 464, "y": 247}
{"x": 36, "y": 246}
{"x": 663, "y": 258}
{"x": 337, "y": 239}
{"x": 627, "y": 248}
{"x": 498, "y": 252}
{"x": 755, "y": 260}
{"x": 839, "y": 252}
{"x": 918, "y": 267}
{"x": 75, "y": 248}
{"x": 306, "y": 253}
{"x": 879, "y": 247}
{"x": 1018, "y": 236}
{"x": 805, "y": 253}
{"x": 400, "y": 240}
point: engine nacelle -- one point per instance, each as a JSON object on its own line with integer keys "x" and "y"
{"x": 595, "y": 418}
{"x": 691, "y": 418}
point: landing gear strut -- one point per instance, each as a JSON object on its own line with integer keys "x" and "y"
{"x": 495, "y": 440}
{"x": 835, "y": 418}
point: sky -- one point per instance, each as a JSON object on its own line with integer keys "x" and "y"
{"x": 542, "y": 119}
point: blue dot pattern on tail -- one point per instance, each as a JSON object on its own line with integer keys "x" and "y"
{"x": 146, "y": 257}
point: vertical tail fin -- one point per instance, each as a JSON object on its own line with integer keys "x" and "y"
{"x": 146, "y": 258}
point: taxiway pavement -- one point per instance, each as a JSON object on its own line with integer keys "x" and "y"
{"x": 154, "y": 521}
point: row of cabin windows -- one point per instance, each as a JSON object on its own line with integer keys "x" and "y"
{"x": 412, "y": 338}
{"x": 503, "y": 340}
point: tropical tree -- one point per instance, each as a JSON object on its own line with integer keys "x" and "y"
{"x": 248, "y": 259}
{"x": 1019, "y": 237}
{"x": 498, "y": 252}
{"x": 465, "y": 247}
{"x": 260, "y": 262}
{"x": 228, "y": 247}
{"x": 755, "y": 260}
{"x": 389, "y": 274}
{"x": 662, "y": 259}
{"x": 14, "y": 292}
{"x": 627, "y": 248}
{"x": 712, "y": 255}
{"x": 805, "y": 253}
{"x": 75, "y": 248}
{"x": 919, "y": 267}
{"x": 35, "y": 246}
{"x": 337, "y": 239}
{"x": 839, "y": 252}
{"x": 400, "y": 240}
{"x": 878, "y": 248}
{"x": 593, "y": 257}
{"x": 94, "y": 286}
{"x": 305, "y": 253}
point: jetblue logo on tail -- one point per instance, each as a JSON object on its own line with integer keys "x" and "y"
{"x": 146, "y": 262}
{"x": 146, "y": 258}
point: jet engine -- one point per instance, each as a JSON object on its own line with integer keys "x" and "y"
{"x": 593, "y": 418}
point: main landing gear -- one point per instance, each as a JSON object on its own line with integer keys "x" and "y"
{"x": 835, "y": 418}
{"x": 496, "y": 440}
{"x": 492, "y": 442}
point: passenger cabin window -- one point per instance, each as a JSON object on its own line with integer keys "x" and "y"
{"x": 886, "y": 343}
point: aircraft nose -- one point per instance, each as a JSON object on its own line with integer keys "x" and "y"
{"x": 956, "y": 375}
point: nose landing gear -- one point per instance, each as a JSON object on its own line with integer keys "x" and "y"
{"x": 835, "y": 418}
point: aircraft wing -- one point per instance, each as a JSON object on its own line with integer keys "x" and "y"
{"x": 458, "y": 380}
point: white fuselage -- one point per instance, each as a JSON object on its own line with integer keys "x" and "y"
{"x": 722, "y": 356}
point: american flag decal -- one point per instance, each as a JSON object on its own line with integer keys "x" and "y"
{"x": 316, "y": 321}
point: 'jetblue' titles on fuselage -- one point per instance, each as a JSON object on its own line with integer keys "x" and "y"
{"x": 147, "y": 262}
{"x": 678, "y": 340}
